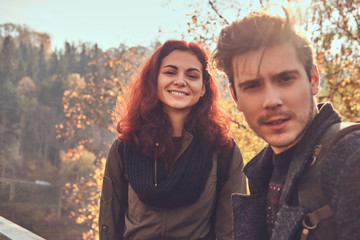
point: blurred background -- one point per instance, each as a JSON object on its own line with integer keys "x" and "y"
{"x": 65, "y": 64}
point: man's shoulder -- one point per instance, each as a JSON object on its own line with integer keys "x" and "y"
{"x": 346, "y": 141}
{"x": 347, "y": 146}
{"x": 343, "y": 159}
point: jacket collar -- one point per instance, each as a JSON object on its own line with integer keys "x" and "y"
{"x": 186, "y": 138}
{"x": 249, "y": 215}
{"x": 259, "y": 169}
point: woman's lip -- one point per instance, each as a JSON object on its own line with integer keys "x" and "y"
{"x": 178, "y": 93}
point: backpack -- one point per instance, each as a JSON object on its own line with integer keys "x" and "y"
{"x": 321, "y": 220}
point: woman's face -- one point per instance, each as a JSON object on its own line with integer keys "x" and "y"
{"x": 180, "y": 81}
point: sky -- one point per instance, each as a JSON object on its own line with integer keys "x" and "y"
{"x": 108, "y": 23}
{"x": 105, "y": 22}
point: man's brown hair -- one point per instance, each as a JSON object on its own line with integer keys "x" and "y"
{"x": 255, "y": 31}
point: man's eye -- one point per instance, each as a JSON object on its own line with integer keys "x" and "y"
{"x": 251, "y": 86}
{"x": 287, "y": 78}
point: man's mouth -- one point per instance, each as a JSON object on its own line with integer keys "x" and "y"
{"x": 276, "y": 122}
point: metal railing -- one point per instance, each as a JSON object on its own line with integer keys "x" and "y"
{"x": 12, "y": 231}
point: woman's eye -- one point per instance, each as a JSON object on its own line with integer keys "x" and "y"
{"x": 193, "y": 76}
{"x": 170, "y": 73}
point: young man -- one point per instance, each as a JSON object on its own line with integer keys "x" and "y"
{"x": 273, "y": 80}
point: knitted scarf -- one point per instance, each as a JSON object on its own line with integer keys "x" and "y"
{"x": 184, "y": 184}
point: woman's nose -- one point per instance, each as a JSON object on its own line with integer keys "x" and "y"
{"x": 180, "y": 81}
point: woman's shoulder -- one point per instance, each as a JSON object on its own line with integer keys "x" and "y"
{"x": 116, "y": 149}
{"x": 117, "y": 143}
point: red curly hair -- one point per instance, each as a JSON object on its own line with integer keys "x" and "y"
{"x": 143, "y": 123}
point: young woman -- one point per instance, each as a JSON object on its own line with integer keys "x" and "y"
{"x": 161, "y": 174}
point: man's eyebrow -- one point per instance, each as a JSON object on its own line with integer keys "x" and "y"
{"x": 287, "y": 73}
{"x": 250, "y": 81}
{"x": 279, "y": 75}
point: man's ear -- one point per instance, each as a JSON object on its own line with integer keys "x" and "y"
{"x": 233, "y": 95}
{"x": 315, "y": 80}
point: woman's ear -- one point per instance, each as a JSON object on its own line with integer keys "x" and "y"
{"x": 203, "y": 90}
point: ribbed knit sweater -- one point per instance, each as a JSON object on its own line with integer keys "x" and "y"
{"x": 281, "y": 163}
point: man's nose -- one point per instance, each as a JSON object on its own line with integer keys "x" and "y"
{"x": 272, "y": 97}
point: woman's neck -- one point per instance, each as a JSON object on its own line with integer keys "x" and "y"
{"x": 177, "y": 119}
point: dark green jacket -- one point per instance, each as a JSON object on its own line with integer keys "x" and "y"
{"x": 140, "y": 221}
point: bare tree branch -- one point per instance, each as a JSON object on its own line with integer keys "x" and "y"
{"x": 239, "y": 125}
{"x": 216, "y": 11}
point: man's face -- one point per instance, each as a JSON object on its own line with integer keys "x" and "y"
{"x": 275, "y": 94}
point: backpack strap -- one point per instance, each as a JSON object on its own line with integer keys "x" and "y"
{"x": 321, "y": 220}
{"x": 222, "y": 174}
{"x": 223, "y": 165}
{"x": 124, "y": 177}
